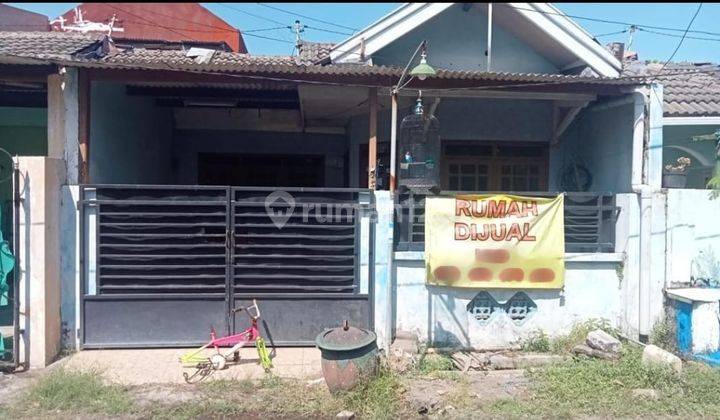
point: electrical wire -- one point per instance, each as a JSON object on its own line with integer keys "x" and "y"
{"x": 309, "y": 18}
{"x": 650, "y": 31}
{"x": 611, "y": 33}
{"x": 697, "y": 12}
{"x": 614, "y": 22}
{"x": 251, "y": 14}
{"x": 269, "y": 38}
{"x": 283, "y": 26}
{"x": 154, "y": 12}
{"x": 327, "y": 30}
{"x": 148, "y": 20}
{"x": 265, "y": 29}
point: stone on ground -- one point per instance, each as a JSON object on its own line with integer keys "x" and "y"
{"x": 522, "y": 360}
{"x": 655, "y": 355}
{"x": 600, "y": 340}
{"x": 500, "y": 361}
{"x": 466, "y": 360}
{"x": 647, "y": 394}
{"x": 346, "y": 415}
{"x": 588, "y": 351}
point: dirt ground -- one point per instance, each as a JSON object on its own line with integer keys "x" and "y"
{"x": 12, "y": 386}
{"x": 430, "y": 394}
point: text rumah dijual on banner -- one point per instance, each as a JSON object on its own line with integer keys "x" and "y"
{"x": 495, "y": 241}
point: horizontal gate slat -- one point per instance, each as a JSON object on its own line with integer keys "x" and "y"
{"x": 290, "y": 267}
{"x": 293, "y": 226}
{"x": 159, "y": 266}
{"x": 314, "y": 251}
{"x": 159, "y": 214}
{"x": 135, "y": 288}
{"x": 295, "y": 246}
{"x": 164, "y": 225}
{"x": 296, "y": 256}
{"x": 159, "y": 240}
{"x": 291, "y": 287}
{"x": 134, "y": 257}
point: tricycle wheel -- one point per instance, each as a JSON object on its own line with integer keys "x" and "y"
{"x": 218, "y": 361}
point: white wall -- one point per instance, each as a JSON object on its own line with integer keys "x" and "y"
{"x": 38, "y": 259}
{"x": 693, "y": 236}
{"x": 440, "y": 315}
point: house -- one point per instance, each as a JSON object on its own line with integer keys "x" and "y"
{"x": 169, "y": 22}
{"x": 691, "y": 108}
{"x": 171, "y": 167}
{"x": 14, "y": 19}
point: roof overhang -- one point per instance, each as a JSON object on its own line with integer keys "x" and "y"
{"x": 714, "y": 120}
{"x": 562, "y": 32}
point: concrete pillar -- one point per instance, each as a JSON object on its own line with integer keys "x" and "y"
{"x": 627, "y": 241}
{"x": 39, "y": 258}
{"x": 63, "y": 120}
{"x": 383, "y": 252}
{"x": 655, "y": 136}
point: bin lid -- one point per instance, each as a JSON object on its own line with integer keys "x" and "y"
{"x": 345, "y": 337}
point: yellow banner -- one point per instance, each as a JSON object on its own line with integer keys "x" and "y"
{"x": 495, "y": 241}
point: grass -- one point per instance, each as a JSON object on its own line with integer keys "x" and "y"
{"x": 540, "y": 342}
{"x": 594, "y": 387}
{"x": 663, "y": 334}
{"x": 276, "y": 397}
{"x": 578, "y": 333}
{"x": 433, "y": 362}
{"x": 575, "y": 388}
{"x": 380, "y": 398}
{"x": 76, "y": 392}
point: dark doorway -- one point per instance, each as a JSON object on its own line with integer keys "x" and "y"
{"x": 259, "y": 170}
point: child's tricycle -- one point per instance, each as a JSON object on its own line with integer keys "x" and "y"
{"x": 204, "y": 364}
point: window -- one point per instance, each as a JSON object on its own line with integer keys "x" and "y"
{"x": 476, "y": 166}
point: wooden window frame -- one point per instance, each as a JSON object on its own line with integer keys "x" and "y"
{"x": 495, "y": 162}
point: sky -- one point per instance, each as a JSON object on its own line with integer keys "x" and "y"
{"x": 338, "y": 17}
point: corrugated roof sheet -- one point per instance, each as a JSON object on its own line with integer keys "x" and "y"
{"x": 243, "y": 63}
{"x": 689, "y": 89}
{"x": 61, "y": 48}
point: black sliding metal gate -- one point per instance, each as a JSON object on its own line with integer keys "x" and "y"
{"x": 162, "y": 264}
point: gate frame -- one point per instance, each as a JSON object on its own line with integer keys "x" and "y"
{"x": 369, "y": 210}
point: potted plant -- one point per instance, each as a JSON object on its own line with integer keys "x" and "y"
{"x": 675, "y": 176}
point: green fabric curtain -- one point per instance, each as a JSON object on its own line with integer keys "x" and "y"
{"x": 7, "y": 263}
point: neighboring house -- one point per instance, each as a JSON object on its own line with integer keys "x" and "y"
{"x": 14, "y": 19}
{"x": 170, "y": 22}
{"x": 691, "y": 108}
{"x": 163, "y": 160}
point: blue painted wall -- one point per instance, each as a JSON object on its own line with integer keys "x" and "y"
{"x": 188, "y": 143}
{"x": 677, "y": 142}
{"x": 683, "y": 319}
{"x": 457, "y": 40}
{"x": 130, "y": 138}
{"x": 602, "y": 140}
